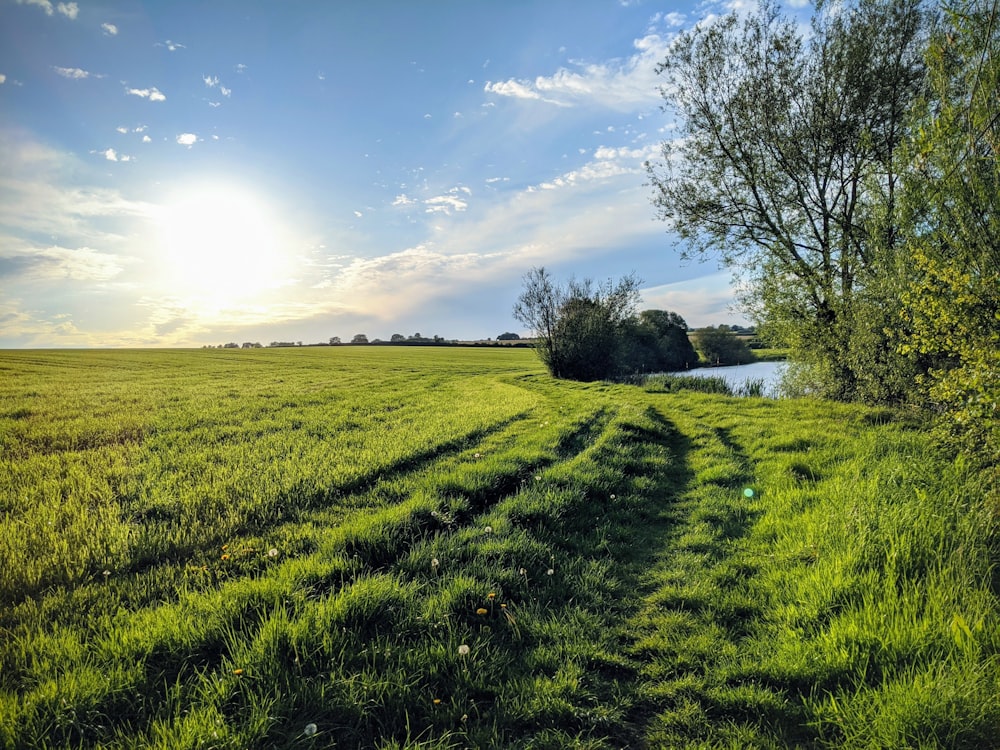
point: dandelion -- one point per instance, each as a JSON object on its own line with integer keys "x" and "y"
{"x": 225, "y": 557}
{"x": 463, "y": 650}
{"x": 310, "y": 730}
{"x": 538, "y": 477}
{"x": 549, "y": 572}
{"x": 522, "y": 571}
{"x": 225, "y": 547}
{"x": 488, "y": 529}
{"x": 613, "y": 497}
{"x": 434, "y": 563}
{"x": 491, "y": 596}
{"x": 482, "y": 611}
{"x": 272, "y": 552}
{"x": 106, "y": 573}
{"x": 237, "y": 671}
{"x": 477, "y": 455}
{"x": 437, "y": 701}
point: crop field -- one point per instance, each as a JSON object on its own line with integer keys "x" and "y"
{"x": 361, "y": 547}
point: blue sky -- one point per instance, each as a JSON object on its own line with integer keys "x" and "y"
{"x": 181, "y": 173}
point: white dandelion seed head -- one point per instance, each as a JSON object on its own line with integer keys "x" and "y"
{"x": 434, "y": 562}
{"x": 488, "y": 529}
{"x": 549, "y": 572}
{"x": 310, "y": 730}
{"x": 272, "y": 552}
{"x": 463, "y": 650}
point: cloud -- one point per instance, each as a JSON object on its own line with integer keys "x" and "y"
{"x": 146, "y": 139}
{"x": 210, "y": 81}
{"x": 240, "y": 68}
{"x": 74, "y": 73}
{"x": 3, "y": 78}
{"x": 171, "y": 46}
{"x": 109, "y": 29}
{"x": 187, "y": 139}
{"x": 110, "y": 155}
{"x": 70, "y": 10}
{"x": 403, "y": 200}
{"x": 153, "y": 94}
{"x": 702, "y": 301}
{"x": 617, "y": 84}
{"x": 55, "y": 262}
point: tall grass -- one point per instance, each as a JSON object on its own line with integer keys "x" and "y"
{"x": 438, "y": 548}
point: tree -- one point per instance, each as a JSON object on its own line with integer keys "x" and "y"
{"x": 578, "y": 326}
{"x": 951, "y": 309}
{"x": 507, "y": 336}
{"x": 359, "y": 338}
{"x": 785, "y": 144}
{"x": 719, "y": 345}
{"x": 334, "y": 340}
{"x": 657, "y": 341}
{"x": 397, "y": 338}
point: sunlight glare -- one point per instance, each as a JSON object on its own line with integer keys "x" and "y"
{"x": 222, "y": 246}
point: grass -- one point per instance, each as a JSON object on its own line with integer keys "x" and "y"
{"x": 438, "y": 548}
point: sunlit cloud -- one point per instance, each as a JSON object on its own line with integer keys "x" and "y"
{"x": 170, "y": 45}
{"x": 619, "y": 84}
{"x": 187, "y": 139}
{"x": 153, "y": 94}
{"x": 3, "y": 78}
{"x": 54, "y": 262}
{"x": 109, "y": 29}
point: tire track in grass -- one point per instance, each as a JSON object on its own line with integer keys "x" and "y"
{"x": 705, "y": 606}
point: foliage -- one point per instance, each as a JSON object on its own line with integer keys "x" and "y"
{"x": 578, "y": 326}
{"x": 414, "y": 547}
{"x": 786, "y": 141}
{"x": 952, "y": 307}
{"x": 718, "y": 345}
{"x": 656, "y": 341}
{"x": 359, "y": 338}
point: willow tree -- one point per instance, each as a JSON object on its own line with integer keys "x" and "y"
{"x": 786, "y": 142}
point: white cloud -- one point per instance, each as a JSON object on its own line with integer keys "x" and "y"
{"x": 74, "y": 73}
{"x": 55, "y": 262}
{"x": 702, "y": 301}
{"x": 403, "y": 200}
{"x": 121, "y": 129}
{"x": 146, "y": 139}
{"x": 3, "y": 78}
{"x": 358, "y": 214}
{"x": 224, "y": 91}
{"x": 445, "y": 204}
{"x": 240, "y": 68}
{"x": 187, "y": 139}
{"x": 70, "y": 10}
{"x": 110, "y": 155}
{"x": 109, "y": 29}
{"x": 617, "y": 84}
{"x": 172, "y": 46}
{"x": 153, "y": 94}
{"x": 210, "y": 81}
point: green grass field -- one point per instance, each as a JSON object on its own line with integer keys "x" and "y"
{"x": 444, "y": 548}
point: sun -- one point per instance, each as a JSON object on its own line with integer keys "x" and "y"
{"x": 221, "y": 245}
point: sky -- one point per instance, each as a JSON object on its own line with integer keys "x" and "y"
{"x": 187, "y": 173}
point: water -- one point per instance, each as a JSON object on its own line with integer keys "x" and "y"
{"x": 737, "y": 375}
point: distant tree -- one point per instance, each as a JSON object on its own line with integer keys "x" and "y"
{"x": 359, "y": 338}
{"x": 657, "y": 341}
{"x": 720, "y": 346}
{"x": 397, "y": 338}
{"x": 232, "y": 345}
{"x": 508, "y": 337}
{"x": 579, "y": 327}
{"x": 334, "y": 340}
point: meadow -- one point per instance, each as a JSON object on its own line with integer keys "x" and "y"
{"x": 444, "y": 548}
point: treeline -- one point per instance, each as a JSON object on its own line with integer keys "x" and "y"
{"x": 849, "y": 174}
